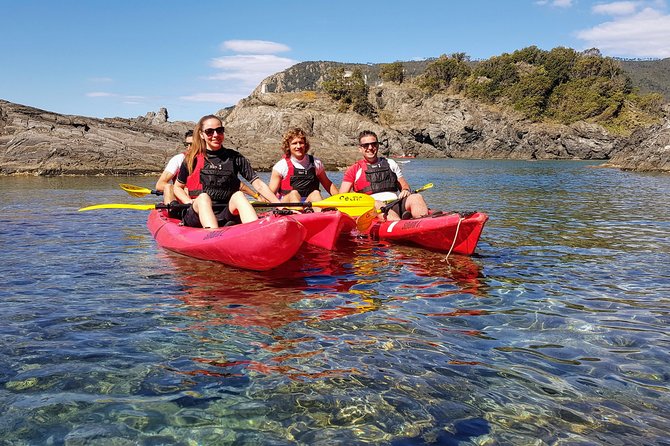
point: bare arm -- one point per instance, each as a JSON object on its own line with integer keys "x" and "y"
{"x": 346, "y": 187}
{"x": 327, "y": 184}
{"x": 164, "y": 180}
{"x": 264, "y": 190}
{"x": 180, "y": 192}
{"x": 404, "y": 186}
{"x": 275, "y": 181}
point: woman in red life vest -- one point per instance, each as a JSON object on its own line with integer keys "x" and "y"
{"x": 378, "y": 176}
{"x": 210, "y": 174}
{"x": 298, "y": 175}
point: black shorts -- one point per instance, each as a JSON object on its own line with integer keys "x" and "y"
{"x": 399, "y": 207}
{"x": 224, "y": 216}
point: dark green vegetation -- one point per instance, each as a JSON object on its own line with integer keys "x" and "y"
{"x": 350, "y": 89}
{"x": 561, "y": 85}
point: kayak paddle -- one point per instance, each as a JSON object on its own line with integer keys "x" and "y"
{"x": 137, "y": 191}
{"x": 364, "y": 221}
{"x": 351, "y": 203}
{"x": 136, "y": 207}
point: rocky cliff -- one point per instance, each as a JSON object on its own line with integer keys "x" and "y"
{"x": 39, "y": 142}
{"x": 646, "y": 150}
{"x": 409, "y": 123}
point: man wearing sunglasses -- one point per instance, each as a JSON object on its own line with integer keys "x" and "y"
{"x": 383, "y": 179}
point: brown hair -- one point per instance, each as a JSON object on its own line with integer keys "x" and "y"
{"x": 295, "y": 132}
{"x": 365, "y": 133}
{"x": 198, "y": 147}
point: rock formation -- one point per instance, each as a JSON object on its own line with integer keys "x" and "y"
{"x": 646, "y": 150}
{"x": 38, "y": 142}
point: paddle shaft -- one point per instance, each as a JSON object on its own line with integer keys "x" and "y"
{"x": 388, "y": 206}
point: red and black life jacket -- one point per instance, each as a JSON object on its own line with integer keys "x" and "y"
{"x": 378, "y": 177}
{"x": 304, "y": 181}
{"x": 215, "y": 176}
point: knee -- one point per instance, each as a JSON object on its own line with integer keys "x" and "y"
{"x": 293, "y": 196}
{"x": 203, "y": 198}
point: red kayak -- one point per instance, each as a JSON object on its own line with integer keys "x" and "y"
{"x": 454, "y": 233}
{"x": 325, "y": 228}
{"x": 260, "y": 245}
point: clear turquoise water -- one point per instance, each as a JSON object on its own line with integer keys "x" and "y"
{"x": 555, "y": 333}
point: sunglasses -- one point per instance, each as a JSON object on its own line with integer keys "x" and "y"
{"x": 370, "y": 145}
{"x": 210, "y": 132}
{"x": 187, "y": 144}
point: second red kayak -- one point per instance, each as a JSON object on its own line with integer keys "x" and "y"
{"x": 323, "y": 229}
{"x": 447, "y": 232}
{"x": 260, "y": 245}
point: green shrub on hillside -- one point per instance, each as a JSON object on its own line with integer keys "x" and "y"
{"x": 349, "y": 89}
{"x": 441, "y": 73}
{"x": 392, "y": 72}
{"x": 561, "y": 85}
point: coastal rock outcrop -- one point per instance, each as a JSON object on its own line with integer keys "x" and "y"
{"x": 646, "y": 150}
{"x": 409, "y": 124}
{"x": 38, "y": 142}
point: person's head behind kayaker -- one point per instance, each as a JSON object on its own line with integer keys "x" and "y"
{"x": 210, "y": 175}
{"x": 379, "y": 176}
{"x": 297, "y": 177}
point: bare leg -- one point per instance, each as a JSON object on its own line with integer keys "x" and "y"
{"x": 416, "y": 205}
{"x": 315, "y": 196}
{"x": 291, "y": 197}
{"x": 202, "y": 206}
{"x": 239, "y": 205}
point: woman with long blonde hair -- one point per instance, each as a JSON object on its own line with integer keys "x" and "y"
{"x": 210, "y": 174}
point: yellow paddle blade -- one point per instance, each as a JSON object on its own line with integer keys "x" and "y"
{"x": 137, "y": 207}
{"x": 365, "y": 220}
{"x": 351, "y": 203}
{"x": 136, "y": 191}
{"x": 348, "y": 200}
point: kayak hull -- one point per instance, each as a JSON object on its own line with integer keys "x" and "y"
{"x": 323, "y": 229}
{"x": 439, "y": 232}
{"x": 260, "y": 245}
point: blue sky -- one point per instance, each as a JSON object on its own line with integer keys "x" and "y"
{"x": 126, "y": 58}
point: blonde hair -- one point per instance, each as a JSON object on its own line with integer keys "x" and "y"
{"x": 198, "y": 147}
{"x": 295, "y": 132}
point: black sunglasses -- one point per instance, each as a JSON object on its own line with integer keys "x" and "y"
{"x": 370, "y": 144}
{"x": 210, "y": 132}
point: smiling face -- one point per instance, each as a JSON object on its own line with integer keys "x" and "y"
{"x": 368, "y": 146}
{"x": 297, "y": 147}
{"x": 212, "y": 133}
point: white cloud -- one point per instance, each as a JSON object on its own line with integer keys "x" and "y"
{"x": 556, "y": 3}
{"x": 237, "y": 75}
{"x": 644, "y": 34}
{"x": 99, "y": 94}
{"x": 101, "y": 80}
{"x": 250, "y": 68}
{"x": 562, "y": 3}
{"x": 616, "y": 8}
{"x": 254, "y": 46}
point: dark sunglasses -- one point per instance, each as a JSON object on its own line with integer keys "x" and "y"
{"x": 186, "y": 144}
{"x": 210, "y": 132}
{"x": 370, "y": 144}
